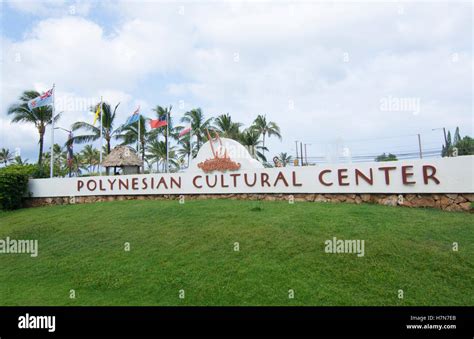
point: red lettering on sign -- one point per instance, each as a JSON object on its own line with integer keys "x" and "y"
{"x": 431, "y": 176}
{"x": 406, "y": 175}
{"x": 387, "y": 174}
{"x": 294, "y": 179}
{"x": 369, "y": 180}
{"x": 321, "y": 180}
{"x": 194, "y": 181}
{"x": 280, "y": 177}
{"x": 341, "y": 175}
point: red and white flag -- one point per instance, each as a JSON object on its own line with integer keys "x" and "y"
{"x": 184, "y": 131}
{"x": 157, "y": 123}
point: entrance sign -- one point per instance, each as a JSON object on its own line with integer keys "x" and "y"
{"x": 443, "y": 175}
{"x": 221, "y": 154}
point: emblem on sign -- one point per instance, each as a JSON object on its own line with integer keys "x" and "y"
{"x": 221, "y": 160}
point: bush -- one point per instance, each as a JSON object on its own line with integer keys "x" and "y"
{"x": 465, "y": 146}
{"x": 39, "y": 172}
{"x": 14, "y": 185}
{"x": 385, "y": 157}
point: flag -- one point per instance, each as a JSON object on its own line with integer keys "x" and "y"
{"x": 97, "y": 113}
{"x": 184, "y": 131}
{"x": 156, "y": 123}
{"x": 44, "y": 99}
{"x": 133, "y": 118}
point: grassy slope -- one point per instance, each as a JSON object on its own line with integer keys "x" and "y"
{"x": 190, "y": 247}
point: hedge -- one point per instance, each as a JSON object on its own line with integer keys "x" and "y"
{"x": 14, "y": 185}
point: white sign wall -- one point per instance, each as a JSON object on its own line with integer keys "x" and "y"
{"x": 443, "y": 175}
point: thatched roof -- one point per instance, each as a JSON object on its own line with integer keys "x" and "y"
{"x": 122, "y": 156}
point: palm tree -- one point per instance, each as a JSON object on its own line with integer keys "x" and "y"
{"x": 108, "y": 131}
{"x": 89, "y": 155}
{"x": 6, "y": 156}
{"x": 266, "y": 128}
{"x": 185, "y": 150}
{"x": 59, "y": 160}
{"x": 284, "y": 158}
{"x": 78, "y": 164}
{"x": 40, "y": 116}
{"x": 129, "y": 134}
{"x": 19, "y": 161}
{"x": 60, "y": 156}
{"x": 195, "y": 118}
{"x": 226, "y": 127}
{"x": 156, "y": 153}
{"x": 161, "y": 113}
{"x": 250, "y": 139}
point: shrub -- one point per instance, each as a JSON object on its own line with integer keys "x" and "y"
{"x": 14, "y": 185}
{"x": 385, "y": 157}
{"x": 39, "y": 172}
{"x": 465, "y": 146}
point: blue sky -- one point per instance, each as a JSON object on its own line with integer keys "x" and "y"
{"x": 361, "y": 75}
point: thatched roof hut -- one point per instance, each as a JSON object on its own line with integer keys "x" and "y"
{"x": 123, "y": 157}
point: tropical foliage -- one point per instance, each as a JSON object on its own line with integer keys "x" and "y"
{"x": 226, "y": 127}
{"x": 458, "y": 146}
{"x": 13, "y": 185}
{"x": 40, "y": 117}
{"x": 199, "y": 124}
{"x": 6, "y": 156}
{"x": 107, "y": 115}
{"x": 386, "y": 157}
{"x": 284, "y": 159}
{"x": 151, "y": 143}
{"x": 264, "y": 127}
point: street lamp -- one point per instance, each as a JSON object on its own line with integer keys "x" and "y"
{"x": 63, "y": 129}
{"x": 444, "y": 131}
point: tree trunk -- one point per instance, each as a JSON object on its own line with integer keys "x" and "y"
{"x": 41, "y": 129}
{"x": 108, "y": 145}
{"x": 263, "y": 150}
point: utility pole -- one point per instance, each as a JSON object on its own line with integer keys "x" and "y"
{"x": 419, "y": 146}
{"x": 306, "y": 154}
{"x": 445, "y": 137}
{"x": 301, "y": 146}
{"x": 296, "y": 142}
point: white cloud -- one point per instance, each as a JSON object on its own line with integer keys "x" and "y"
{"x": 51, "y": 7}
{"x": 334, "y": 62}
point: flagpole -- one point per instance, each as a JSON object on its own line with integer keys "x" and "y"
{"x": 52, "y": 135}
{"x": 190, "y": 144}
{"x": 101, "y": 140}
{"x": 139, "y": 145}
{"x": 167, "y": 142}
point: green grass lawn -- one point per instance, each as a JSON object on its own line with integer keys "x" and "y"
{"x": 190, "y": 247}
